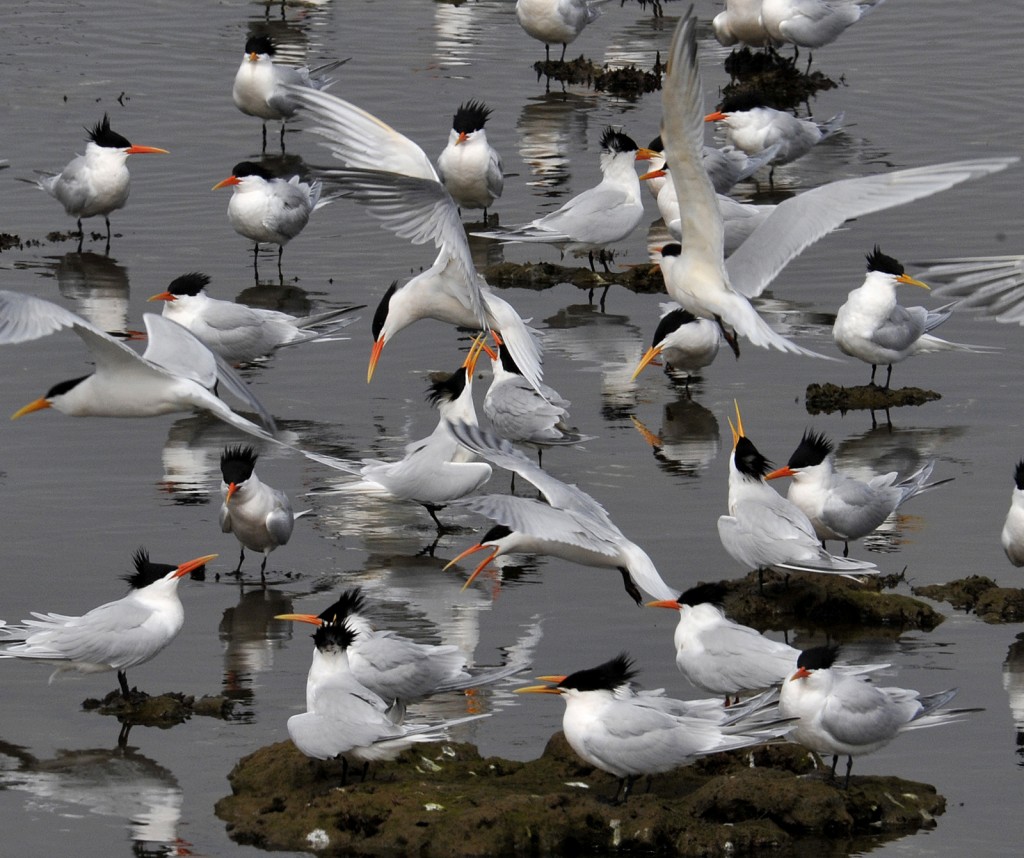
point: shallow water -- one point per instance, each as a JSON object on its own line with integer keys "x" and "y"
{"x": 80, "y": 495}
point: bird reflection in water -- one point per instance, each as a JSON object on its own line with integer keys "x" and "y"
{"x": 251, "y": 636}
{"x": 688, "y": 439}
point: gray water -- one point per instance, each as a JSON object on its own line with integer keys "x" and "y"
{"x": 922, "y": 83}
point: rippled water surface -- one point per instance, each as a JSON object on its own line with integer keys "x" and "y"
{"x": 919, "y": 83}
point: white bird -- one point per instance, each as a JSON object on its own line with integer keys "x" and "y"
{"x": 740, "y": 21}
{"x": 839, "y": 713}
{"x": 569, "y": 524}
{"x": 175, "y": 373}
{"x": 684, "y": 342}
{"x": 1012, "y": 536}
{"x": 267, "y": 209}
{"x": 556, "y": 21}
{"x": 726, "y": 166}
{"x": 260, "y": 86}
{"x": 116, "y": 635}
{"x": 469, "y": 166}
{"x": 629, "y": 733}
{"x": 239, "y": 333}
{"x": 435, "y": 470}
{"x": 763, "y": 529}
{"x": 344, "y": 718}
{"x": 97, "y": 182}
{"x": 598, "y": 217}
{"x": 838, "y": 505}
{"x": 396, "y": 667}
{"x": 411, "y": 201}
{"x": 993, "y": 284}
{"x": 875, "y": 328}
{"x": 812, "y": 23}
{"x": 260, "y": 516}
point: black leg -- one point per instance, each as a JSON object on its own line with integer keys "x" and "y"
{"x": 241, "y": 557}
{"x": 888, "y": 377}
{"x": 630, "y": 585}
{"x": 264, "y": 136}
{"x": 873, "y": 368}
{"x": 849, "y": 765}
{"x": 563, "y": 52}
{"x": 730, "y": 336}
{"x": 263, "y": 567}
{"x": 122, "y": 678}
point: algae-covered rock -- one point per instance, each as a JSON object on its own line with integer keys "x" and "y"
{"x": 775, "y": 79}
{"x": 445, "y": 800}
{"x": 828, "y": 397}
{"x": 160, "y": 710}
{"x": 994, "y": 604}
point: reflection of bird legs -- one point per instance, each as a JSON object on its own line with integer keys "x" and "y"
{"x": 122, "y": 736}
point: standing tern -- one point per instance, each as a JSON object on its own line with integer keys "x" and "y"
{"x": 116, "y": 635}
{"x": 238, "y": 333}
{"x": 469, "y": 166}
{"x": 873, "y": 327}
{"x": 175, "y": 373}
{"x": 1012, "y": 536}
{"x": 412, "y": 202}
{"x": 740, "y": 22}
{"x": 840, "y": 506}
{"x": 628, "y": 733}
{"x": 260, "y": 516}
{"x": 839, "y": 713}
{"x": 267, "y": 209}
{"x": 260, "y": 87}
{"x": 812, "y": 23}
{"x": 97, "y": 182}
{"x": 568, "y": 524}
{"x": 763, "y": 529}
{"x": 396, "y": 667}
{"x": 556, "y": 21}
{"x": 684, "y": 342}
{"x": 602, "y": 215}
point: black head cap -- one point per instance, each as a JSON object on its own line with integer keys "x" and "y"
{"x": 499, "y": 531}
{"x": 349, "y": 602}
{"x": 146, "y": 572}
{"x": 63, "y": 387}
{"x": 671, "y": 322}
{"x": 101, "y": 135}
{"x": 818, "y": 658}
{"x": 605, "y": 676}
{"x": 749, "y": 460}
{"x": 812, "y": 450}
{"x": 470, "y": 117}
{"x": 617, "y": 142}
{"x": 189, "y": 284}
{"x": 672, "y": 249}
{"x": 714, "y": 593}
{"x": 657, "y": 144}
{"x": 507, "y": 363}
{"x": 1018, "y": 475}
{"x": 381, "y": 313}
{"x": 237, "y": 463}
{"x": 260, "y": 45}
{"x": 878, "y": 261}
{"x": 744, "y": 100}
{"x": 251, "y": 168}
{"x": 333, "y": 636}
{"x": 448, "y": 389}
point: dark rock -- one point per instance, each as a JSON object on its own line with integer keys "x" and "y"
{"x": 826, "y": 398}
{"x": 994, "y": 604}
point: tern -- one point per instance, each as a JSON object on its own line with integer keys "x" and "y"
{"x": 602, "y": 215}
{"x": 97, "y": 182}
{"x": 1012, "y": 536}
{"x": 260, "y": 516}
{"x": 556, "y": 21}
{"x": 763, "y": 529}
{"x": 873, "y": 327}
{"x": 396, "y": 667}
{"x": 812, "y": 23}
{"x": 344, "y": 718}
{"x": 726, "y": 166}
{"x": 116, "y": 635}
{"x": 411, "y": 201}
{"x": 267, "y": 209}
{"x": 685, "y": 343}
{"x": 628, "y": 733}
{"x": 740, "y": 22}
{"x": 260, "y": 87}
{"x": 840, "y": 506}
{"x": 175, "y": 373}
{"x": 240, "y": 334}
{"x": 469, "y": 166}
{"x": 838, "y": 713}
{"x": 569, "y": 524}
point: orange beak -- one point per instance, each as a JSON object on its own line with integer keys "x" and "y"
{"x": 801, "y": 673}
{"x": 717, "y": 116}
{"x": 38, "y": 405}
{"x": 539, "y": 689}
{"x": 232, "y": 488}
{"x": 654, "y": 174}
{"x": 910, "y": 281}
{"x": 312, "y": 619}
{"x": 146, "y": 150}
{"x": 192, "y": 565}
{"x": 784, "y": 471}
{"x": 646, "y": 154}
{"x": 463, "y": 137}
{"x": 163, "y": 296}
{"x": 649, "y": 356}
{"x": 665, "y": 603}
{"x": 494, "y": 549}
{"x": 378, "y": 347}
{"x": 230, "y": 180}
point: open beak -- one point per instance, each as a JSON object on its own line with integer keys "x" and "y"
{"x": 737, "y": 430}
{"x": 192, "y": 565}
{"x": 38, "y": 405}
{"x": 472, "y": 550}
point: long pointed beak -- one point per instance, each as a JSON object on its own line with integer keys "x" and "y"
{"x": 654, "y": 174}
{"x": 146, "y": 150}
{"x": 645, "y": 154}
{"x": 471, "y": 550}
{"x": 192, "y": 565}
{"x": 230, "y": 180}
{"x": 910, "y": 281}
{"x": 739, "y": 420}
{"x": 232, "y": 488}
{"x": 38, "y": 405}
{"x": 735, "y": 434}
{"x": 463, "y": 137}
{"x": 163, "y": 296}
{"x": 538, "y": 689}
{"x": 312, "y": 619}
{"x": 378, "y": 347}
{"x": 717, "y": 116}
{"x": 664, "y": 603}
{"x": 494, "y": 553}
{"x": 649, "y": 356}
{"x": 784, "y": 471}
{"x": 554, "y": 679}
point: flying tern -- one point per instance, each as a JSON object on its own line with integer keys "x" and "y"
{"x": 97, "y": 182}
{"x": 469, "y": 166}
{"x": 412, "y": 202}
{"x": 840, "y": 506}
{"x": 260, "y": 86}
{"x": 684, "y": 342}
{"x": 238, "y": 333}
{"x": 556, "y": 21}
{"x": 569, "y": 524}
{"x": 116, "y": 635}
{"x": 1012, "y": 536}
{"x": 175, "y": 373}
{"x": 873, "y": 327}
{"x": 628, "y": 733}
{"x": 838, "y": 713}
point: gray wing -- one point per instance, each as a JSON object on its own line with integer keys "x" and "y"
{"x": 903, "y": 328}
{"x": 992, "y": 284}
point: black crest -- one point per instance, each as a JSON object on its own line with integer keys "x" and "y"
{"x": 237, "y": 464}
{"x": 448, "y": 389}
{"x": 101, "y": 135}
{"x": 146, "y": 572}
{"x": 741, "y": 101}
{"x": 605, "y": 676}
{"x": 507, "y": 363}
{"x": 878, "y": 261}
{"x": 381, "y": 313}
{"x": 671, "y": 322}
{"x": 656, "y": 144}
{"x": 617, "y": 142}
{"x": 499, "y": 531}
{"x": 1018, "y": 475}
{"x": 703, "y": 593}
{"x": 471, "y": 116}
{"x": 260, "y": 45}
{"x": 812, "y": 450}
{"x": 63, "y": 387}
{"x": 349, "y": 602}
{"x": 251, "y": 168}
{"x": 333, "y": 636}
{"x": 749, "y": 460}
{"x": 189, "y": 284}
{"x": 672, "y": 249}
{"x": 818, "y": 658}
